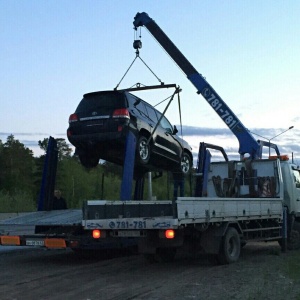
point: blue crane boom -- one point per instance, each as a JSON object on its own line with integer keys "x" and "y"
{"x": 247, "y": 143}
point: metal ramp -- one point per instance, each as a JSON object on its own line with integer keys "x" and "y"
{"x": 25, "y": 224}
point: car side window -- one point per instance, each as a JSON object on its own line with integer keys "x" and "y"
{"x": 151, "y": 114}
{"x": 164, "y": 123}
{"x": 138, "y": 105}
{"x": 141, "y": 109}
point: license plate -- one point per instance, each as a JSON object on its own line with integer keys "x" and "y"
{"x": 128, "y": 233}
{"x": 35, "y": 243}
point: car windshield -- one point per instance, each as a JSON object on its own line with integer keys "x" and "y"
{"x": 101, "y": 100}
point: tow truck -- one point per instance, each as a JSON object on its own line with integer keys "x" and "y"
{"x": 251, "y": 199}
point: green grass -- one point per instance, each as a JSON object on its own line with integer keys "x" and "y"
{"x": 18, "y": 202}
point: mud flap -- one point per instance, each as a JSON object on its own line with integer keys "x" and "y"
{"x": 152, "y": 242}
{"x": 211, "y": 238}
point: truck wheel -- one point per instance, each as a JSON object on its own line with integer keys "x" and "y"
{"x": 166, "y": 254}
{"x": 161, "y": 255}
{"x": 150, "y": 258}
{"x": 293, "y": 242}
{"x": 143, "y": 150}
{"x": 297, "y": 225}
{"x": 230, "y": 247}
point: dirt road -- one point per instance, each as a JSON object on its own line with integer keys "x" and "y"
{"x": 261, "y": 273}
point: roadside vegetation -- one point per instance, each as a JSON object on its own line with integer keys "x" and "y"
{"x": 21, "y": 175}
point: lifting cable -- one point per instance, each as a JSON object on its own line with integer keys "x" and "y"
{"x": 137, "y": 44}
{"x": 177, "y": 91}
{"x": 179, "y": 107}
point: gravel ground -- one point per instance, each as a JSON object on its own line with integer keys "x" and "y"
{"x": 262, "y": 272}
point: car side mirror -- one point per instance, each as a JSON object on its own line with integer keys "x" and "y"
{"x": 175, "y": 130}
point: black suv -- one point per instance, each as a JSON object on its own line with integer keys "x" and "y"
{"x": 99, "y": 127}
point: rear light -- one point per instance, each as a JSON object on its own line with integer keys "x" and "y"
{"x": 69, "y": 132}
{"x": 10, "y": 240}
{"x": 73, "y": 118}
{"x": 96, "y": 234}
{"x": 121, "y": 113}
{"x": 170, "y": 234}
{"x": 55, "y": 243}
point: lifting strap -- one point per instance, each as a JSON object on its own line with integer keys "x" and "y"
{"x": 137, "y": 56}
{"x": 179, "y": 107}
{"x": 177, "y": 90}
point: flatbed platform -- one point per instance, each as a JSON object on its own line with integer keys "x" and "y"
{"x": 25, "y": 224}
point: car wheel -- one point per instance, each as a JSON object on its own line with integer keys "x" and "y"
{"x": 185, "y": 163}
{"x": 143, "y": 150}
{"x": 89, "y": 161}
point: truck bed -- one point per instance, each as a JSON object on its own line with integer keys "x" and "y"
{"x": 25, "y": 224}
{"x": 186, "y": 210}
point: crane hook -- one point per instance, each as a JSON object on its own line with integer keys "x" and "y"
{"x": 137, "y": 44}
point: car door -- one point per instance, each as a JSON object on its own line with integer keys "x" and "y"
{"x": 139, "y": 112}
{"x": 165, "y": 140}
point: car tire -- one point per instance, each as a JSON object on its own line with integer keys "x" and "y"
{"x": 143, "y": 150}
{"x": 89, "y": 161}
{"x": 185, "y": 163}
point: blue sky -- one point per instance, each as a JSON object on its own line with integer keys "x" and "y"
{"x": 52, "y": 52}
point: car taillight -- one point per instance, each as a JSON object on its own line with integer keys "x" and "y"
{"x": 73, "y": 118}
{"x": 121, "y": 113}
{"x": 69, "y": 132}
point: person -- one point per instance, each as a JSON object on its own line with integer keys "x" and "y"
{"x": 58, "y": 201}
{"x": 178, "y": 182}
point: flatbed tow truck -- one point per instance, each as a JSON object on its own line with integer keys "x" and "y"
{"x": 54, "y": 229}
{"x": 252, "y": 199}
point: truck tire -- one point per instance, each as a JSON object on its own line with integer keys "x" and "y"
{"x": 166, "y": 254}
{"x": 162, "y": 255}
{"x": 230, "y": 247}
{"x": 151, "y": 258}
{"x": 293, "y": 242}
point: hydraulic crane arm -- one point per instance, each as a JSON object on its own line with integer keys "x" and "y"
{"x": 247, "y": 143}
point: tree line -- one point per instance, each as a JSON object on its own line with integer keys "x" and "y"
{"x": 21, "y": 176}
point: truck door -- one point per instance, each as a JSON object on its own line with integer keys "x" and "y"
{"x": 296, "y": 174}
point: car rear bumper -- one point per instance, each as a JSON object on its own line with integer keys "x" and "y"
{"x": 90, "y": 140}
